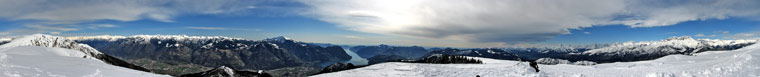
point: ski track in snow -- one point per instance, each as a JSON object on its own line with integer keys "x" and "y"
{"x": 735, "y": 63}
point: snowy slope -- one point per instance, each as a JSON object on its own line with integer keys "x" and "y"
{"x": 736, "y": 63}
{"x": 35, "y": 61}
{"x": 42, "y": 40}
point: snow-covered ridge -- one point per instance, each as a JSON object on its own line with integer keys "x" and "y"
{"x": 148, "y": 37}
{"x": 5, "y": 39}
{"x": 279, "y": 38}
{"x": 37, "y": 61}
{"x": 683, "y": 44}
{"x": 55, "y": 42}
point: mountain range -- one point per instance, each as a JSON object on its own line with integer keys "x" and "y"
{"x": 180, "y": 54}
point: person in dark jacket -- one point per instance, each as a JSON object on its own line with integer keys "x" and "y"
{"x": 534, "y": 65}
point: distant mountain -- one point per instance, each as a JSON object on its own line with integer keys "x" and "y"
{"x": 404, "y": 51}
{"x": 4, "y": 40}
{"x": 180, "y": 54}
{"x": 311, "y": 53}
{"x": 223, "y": 71}
{"x": 485, "y": 52}
{"x": 53, "y": 51}
{"x": 385, "y": 58}
{"x": 650, "y": 50}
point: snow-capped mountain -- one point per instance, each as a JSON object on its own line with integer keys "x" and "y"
{"x": 83, "y": 50}
{"x": 674, "y": 45}
{"x": 55, "y": 42}
{"x": 45, "y": 55}
{"x": 479, "y": 52}
{"x": 655, "y": 49}
{"x": 278, "y": 39}
{"x": 206, "y": 52}
{"x": 734, "y": 63}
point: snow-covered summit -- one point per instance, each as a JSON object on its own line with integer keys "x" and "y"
{"x": 679, "y": 38}
{"x": 43, "y": 40}
{"x": 681, "y": 45}
{"x": 278, "y": 38}
{"x": 148, "y": 37}
{"x": 5, "y": 39}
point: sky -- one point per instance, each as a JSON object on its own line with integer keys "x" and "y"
{"x": 431, "y": 23}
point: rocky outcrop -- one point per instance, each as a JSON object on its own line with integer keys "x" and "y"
{"x": 338, "y": 67}
{"x": 223, "y": 71}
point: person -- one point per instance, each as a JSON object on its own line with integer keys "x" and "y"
{"x": 534, "y": 65}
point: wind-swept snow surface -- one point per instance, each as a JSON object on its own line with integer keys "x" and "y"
{"x": 736, "y": 63}
{"x": 35, "y": 61}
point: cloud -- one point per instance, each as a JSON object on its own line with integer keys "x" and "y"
{"x": 744, "y": 36}
{"x": 703, "y": 35}
{"x": 98, "y": 26}
{"x": 514, "y": 21}
{"x": 207, "y": 28}
{"x": 106, "y": 25}
{"x": 586, "y": 32}
{"x": 57, "y": 28}
{"x": 722, "y": 32}
{"x": 119, "y": 10}
{"x": 55, "y": 15}
{"x": 353, "y": 37}
{"x": 55, "y": 33}
{"x": 700, "y": 35}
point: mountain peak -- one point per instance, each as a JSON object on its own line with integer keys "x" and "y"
{"x": 278, "y": 38}
{"x": 44, "y": 40}
{"x": 680, "y": 38}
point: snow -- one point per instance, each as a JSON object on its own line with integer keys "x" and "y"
{"x": 736, "y": 63}
{"x": 5, "y": 39}
{"x": 278, "y": 38}
{"x": 35, "y": 61}
{"x": 671, "y": 45}
{"x": 147, "y": 37}
{"x": 52, "y": 41}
